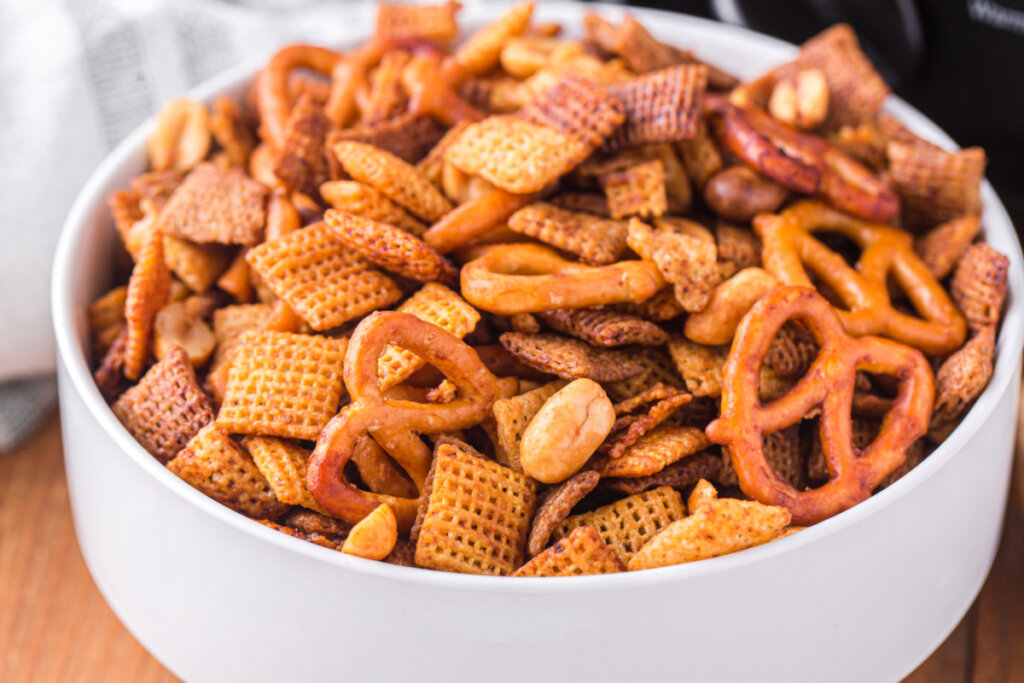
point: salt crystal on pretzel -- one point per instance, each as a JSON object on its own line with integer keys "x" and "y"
{"x": 219, "y": 468}
{"x": 148, "y": 291}
{"x": 214, "y": 205}
{"x": 962, "y": 377}
{"x": 935, "y": 185}
{"x": 661, "y": 106}
{"x": 433, "y": 22}
{"x": 678, "y": 475}
{"x": 597, "y": 241}
{"x": 636, "y": 191}
{"x": 511, "y": 417}
{"x": 555, "y": 504}
{"x": 627, "y": 524}
{"x": 283, "y": 464}
{"x": 580, "y": 553}
{"x": 320, "y": 278}
{"x": 283, "y": 384}
{"x": 300, "y": 160}
{"x": 942, "y": 246}
{"x": 979, "y": 284}
{"x": 231, "y": 131}
{"x": 362, "y": 200}
{"x": 580, "y": 108}
{"x": 654, "y": 451}
{"x": 604, "y": 327}
{"x": 390, "y": 247}
{"x": 569, "y": 358}
{"x": 166, "y": 408}
{"x": 477, "y": 517}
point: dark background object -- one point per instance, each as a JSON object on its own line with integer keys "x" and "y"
{"x": 961, "y": 62}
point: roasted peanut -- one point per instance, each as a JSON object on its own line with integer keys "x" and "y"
{"x": 461, "y": 187}
{"x": 801, "y": 101}
{"x": 703, "y": 492}
{"x": 738, "y": 194}
{"x": 566, "y": 431}
{"x": 178, "y": 324}
{"x": 525, "y": 55}
{"x": 181, "y": 138}
{"x": 374, "y": 536}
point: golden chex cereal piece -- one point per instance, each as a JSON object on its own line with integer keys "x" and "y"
{"x": 579, "y": 108}
{"x": 636, "y": 191}
{"x": 149, "y": 289}
{"x": 935, "y": 185}
{"x": 738, "y": 246}
{"x": 362, "y": 200}
{"x": 166, "y": 408}
{"x": 320, "y": 278}
{"x": 515, "y": 155}
{"x": 283, "y": 384}
{"x": 435, "y": 304}
{"x": 662, "y": 106}
{"x": 580, "y": 553}
{"x": 654, "y": 451}
{"x": 477, "y": 515}
{"x": 658, "y": 368}
{"x": 433, "y": 22}
{"x": 300, "y": 161}
{"x": 512, "y": 415}
{"x": 604, "y": 327}
{"x": 393, "y": 177}
{"x": 390, "y": 248}
{"x": 283, "y": 464}
{"x": 214, "y": 205}
{"x": 978, "y": 285}
{"x": 569, "y": 358}
{"x": 942, "y": 246}
{"x": 627, "y": 524}
{"x": 597, "y": 241}
{"x": 962, "y": 377}
{"x": 219, "y": 468}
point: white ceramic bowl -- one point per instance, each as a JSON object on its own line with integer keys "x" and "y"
{"x": 864, "y": 596}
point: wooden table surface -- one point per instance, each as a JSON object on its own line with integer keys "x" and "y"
{"x": 55, "y": 626}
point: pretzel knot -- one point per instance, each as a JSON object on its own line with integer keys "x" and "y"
{"x": 829, "y": 382}
{"x": 789, "y": 245}
{"x": 802, "y": 162}
{"x": 527, "y": 278}
{"x": 396, "y": 425}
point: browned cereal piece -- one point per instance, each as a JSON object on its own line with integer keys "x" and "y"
{"x": 782, "y": 453}
{"x": 661, "y": 307}
{"x": 658, "y": 368}
{"x": 515, "y": 155}
{"x": 403, "y": 554}
{"x": 386, "y": 97}
{"x": 569, "y": 358}
{"x": 577, "y": 107}
{"x": 690, "y": 263}
{"x": 301, "y": 161}
{"x": 433, "y": 22}
{"x": 700, "y": 155}
{"x": 283, "y": 384}
{"x": 408, "y": 137}
{"x": 629, "y": 429}
{"x": 214, "y": 205}
{"x": 435, "y": 304}
{"x": 393, "y": 177}
{"x": 479, "y": 53}
{"x": 862, "y": 433}
{"x": 737, "y": 246}
{"x": 678, "y": 475}
{"x": 699, "y": 365}
{"x": 315, "y": 538}
{"x": 156, "y": 187}
{"x": 512, "y": 415}
{"x": 717, "y": 527}
{"x": 283, "y": 464}
{"x": 978, "y": 285}
{"x": 580, "y": 553}
{"x": 109, "y": 372}
{"x": 662, "y": 106}
{"x": 627, "y": 524}
{"x": 477, "y": 517}
{"x": 320, "y": 278}
{"x": 791, "y": 352}
{"x": 215, "y": 465}
{"x": 166, "y": 408}
{"x": 962, "y": 378}
{"x": 942, "y": 246}
{"x": 310, "y": 522}
{"x": 604, "y": 327}
{"x": 636, "y": 191}
{"x": 585, "y": 202}
{"x": 431, "y": 165}
{"x": 362, "y": 200}
{"x": 390, "y": 247}
{"x": 653, "y": 451}
{"x": 231, "y": 131}
{"x": 148, "y": 290}
{"x": 935, "y": 185}
{"x": 916, "y": 454}
{"x": 641, "y": 51}
{"x": 555, "y": 504}
{"x": 597, "y": 241}
{"x": 458, "y": 442}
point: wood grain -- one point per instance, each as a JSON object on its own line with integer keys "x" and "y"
{"x": 55, "y": 626}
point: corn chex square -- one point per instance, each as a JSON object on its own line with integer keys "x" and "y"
{"x": 580, "y": 553}
{"x": 597, "y": 241}
{"x": 283, "y": 464}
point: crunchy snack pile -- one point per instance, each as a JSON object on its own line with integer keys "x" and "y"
{"x": 520, "y": 304}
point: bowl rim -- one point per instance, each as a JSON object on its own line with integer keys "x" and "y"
{"x": 72, "y": 357}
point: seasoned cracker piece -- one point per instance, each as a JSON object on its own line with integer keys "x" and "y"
{"x": 962, "y": 378}
{"x": 580, "y": 553}
{"x": 515, "y": 155}
{"x": 555, "y": 504}
{"x": 390, "y": 247}
{"x": 597, "y": 241}
{"x": 737, "y": 246}
{"x": 435, "y": 304}
{"x": 301, "y": 161}
{"x": 231, "y": 131}
{"x": 577, "y": 107}
{"x": 717, "y": 527}
{"x": 690, "y": 263}
{"x": 477, "y": 516}
{"x": 433, "y": 22}
{"x": 283, "y": 384}
{"x": 942, "y": 246}
{"x": 512, "y": 415}
{"x": 658, "y": 368}
{"x": 700, "y": 366}
{"x": 678, "y": 475}
{"x": 935, "y": 185}
{"x": 214, "y": 205}
{"x": 166, "y": 408}
{"x": 604, "y": 327}
{"x": 636, "y": 191}
{"x": 653, "y": 452}
{"x": 978, "y": 285}
{"x": 791, "y": 352}
{"x": 782, "y": 453}
{"x": 627, "y": 524}
{"x": 661, "y": 307}
{"x": 662, "y": 106}
{"x": 219, "y": 468}
{"x": 362, "y": 200}
{"x": 283, "y": 464}
{"x": 393, "y": 177}
{"x": 149, "y": 288}
{"x": 321, "y": 279}
{"x": 569, "y": 358}
{"x": 408, "y": 136}
{"x": 386, "y": 97}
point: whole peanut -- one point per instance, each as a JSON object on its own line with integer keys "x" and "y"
{"x": 566, "y": 431}
{"x": 181, "y": 138}
{"x": 801, "y": 101}
{"x": 738, "y": 194}
{"x": 374, "y": 536}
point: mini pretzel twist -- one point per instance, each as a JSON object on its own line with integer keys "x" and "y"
{"x": 789, "y": 246}
{"x": 528, "y": 278}
{"x": 396, "y": 425}
{"x": 829, "y": 382}
{"x": 799, "y": 161}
